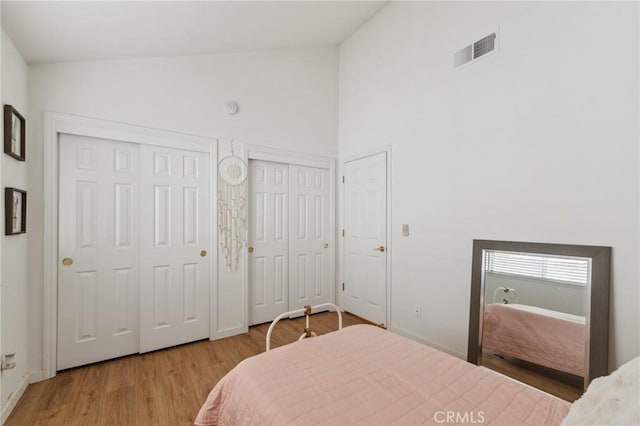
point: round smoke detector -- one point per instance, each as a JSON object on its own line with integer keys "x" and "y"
{"x": 231, "y": 107}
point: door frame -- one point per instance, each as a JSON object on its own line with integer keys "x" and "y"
{"x": 55, "y": 124}
{"x": 263, "y": 153}
{"x": 343, "y": 258}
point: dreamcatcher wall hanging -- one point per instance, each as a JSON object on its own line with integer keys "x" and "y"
{"x": 232, "y": 207}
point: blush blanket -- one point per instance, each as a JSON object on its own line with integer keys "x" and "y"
{"x": 550, "y": 338}
{"x": 363, "y": 375}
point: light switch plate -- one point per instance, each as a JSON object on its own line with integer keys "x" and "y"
{"x": 405, "y": 229}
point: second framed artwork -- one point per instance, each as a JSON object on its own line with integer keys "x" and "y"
{"x": 15, "y": 201}
{"x": 14, "y": 133}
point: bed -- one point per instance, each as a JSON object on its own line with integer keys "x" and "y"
{"x": 542, "y": 336}
{"x": 364, "y": 375}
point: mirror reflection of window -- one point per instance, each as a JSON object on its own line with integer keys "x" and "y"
{"x": 557, "y": 283}
{"x": 539, "y": 313}
{"x": 534, "y": 314}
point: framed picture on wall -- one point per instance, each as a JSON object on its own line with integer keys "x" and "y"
{"x": 15, "y": 202}
{"x": 14, "y": 133}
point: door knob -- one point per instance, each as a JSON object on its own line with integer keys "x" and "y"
{"x": 203, "y": 253}
{"x": 380, "y": 249}
{"x": 250, "y": 249}
{"x": 67, "y": 261}
{"x": 325, "y": 245}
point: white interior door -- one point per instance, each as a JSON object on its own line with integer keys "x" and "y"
{"x": 175, "y": 237}
{"x": 268, "y": 240}
{"x": 366, "y": 237}
{"x": 309, "y": 280}
{"x": 98, "y": 250}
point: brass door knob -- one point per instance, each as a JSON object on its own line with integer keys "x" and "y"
{"x": 380, "y": 249}
{"x": 325, "y": 245}
{"x": 250, "y": 249}
{"x": 203, "y": 253}
{"x": 67, "y": 261}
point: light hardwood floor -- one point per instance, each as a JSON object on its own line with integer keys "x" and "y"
{"x": 165, "y": 387}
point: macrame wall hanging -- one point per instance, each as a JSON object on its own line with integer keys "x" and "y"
{"x": 232, "y": 207}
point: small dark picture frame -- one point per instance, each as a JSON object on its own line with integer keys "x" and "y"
{"x": 14, "y": 133}
{"x": 15, "y": 211}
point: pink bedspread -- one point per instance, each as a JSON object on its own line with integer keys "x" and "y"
{"x": 549, "y": 338}
{"x": 364, "y": 375}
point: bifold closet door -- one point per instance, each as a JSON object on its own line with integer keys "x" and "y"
{"x": 98, "y": 250}
{"x": 309, "y": 280}
{"x": 268, "y": 240}
{"x": 175, "y": 237}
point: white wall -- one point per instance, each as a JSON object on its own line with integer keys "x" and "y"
{"x": 287, "y": 98}
{"x": 14, "y": 247}
{"x": 538, "y": 142}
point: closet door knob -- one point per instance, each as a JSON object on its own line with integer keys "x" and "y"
{"x": 380, "y": 249}
{"x": 203, "y": 253}
{"x": 67, "y": 261}
{"x": 250, "y": 249}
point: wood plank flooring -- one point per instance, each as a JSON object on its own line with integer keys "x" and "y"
{"x": 165, "y": 387}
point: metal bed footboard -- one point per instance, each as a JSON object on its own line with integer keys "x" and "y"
{"x": 307, "y": 310}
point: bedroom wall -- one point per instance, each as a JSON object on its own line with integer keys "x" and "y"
{"x": 14, "y": 247}
{"x": 537, "y": 142}
{"x": 287, "y": 98}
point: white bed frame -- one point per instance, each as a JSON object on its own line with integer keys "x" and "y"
{"x": 307, "y": 310}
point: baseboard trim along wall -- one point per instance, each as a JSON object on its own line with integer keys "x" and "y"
{"x": 15, "y": 397}
{"x": 427, "y": 342}
{"x": 233, "y": 331}
{"x": 36, "y": 376}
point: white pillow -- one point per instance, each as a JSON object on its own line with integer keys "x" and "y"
{"x": 611, "y": 400}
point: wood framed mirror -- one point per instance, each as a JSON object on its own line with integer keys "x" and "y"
{"x": 539, "y": 313}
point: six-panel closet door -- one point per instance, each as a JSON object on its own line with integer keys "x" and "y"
{"x": 309, "y": 242}
{"x": 175, "y": 235}
{"x": 134, "y": 230}
{"x": 98, "y": 249}
{"x": 268, "y": 240}
{"x": 365, "y": 222}
{"x": 289, "y": 225}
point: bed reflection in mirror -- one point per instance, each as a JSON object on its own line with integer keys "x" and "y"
{"x": 533, "y": 318}
{"x": 534, "y": 314}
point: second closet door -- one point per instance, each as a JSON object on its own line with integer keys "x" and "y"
{"x": 289, "y": 227}
{"x": 269, "y": 239}
{"x": 309, "y": 241}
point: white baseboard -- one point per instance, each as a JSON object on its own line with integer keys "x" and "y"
{"x": 36, "y": 376}
{"x": 228, "y": 332}
{"x": 427, "y": 342}
{"x": 14, "y": 398}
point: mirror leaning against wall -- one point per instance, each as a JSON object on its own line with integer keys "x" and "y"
{"x": 539, "y": 313}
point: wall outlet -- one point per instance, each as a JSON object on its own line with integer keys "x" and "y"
{"x": 418, "y": 311}
{"x": 8, "y": 361}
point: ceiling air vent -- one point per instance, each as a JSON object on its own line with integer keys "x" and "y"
{"x": 475, "y": 50}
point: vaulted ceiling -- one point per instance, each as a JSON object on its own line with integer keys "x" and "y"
{"x": 59, "y": 31}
